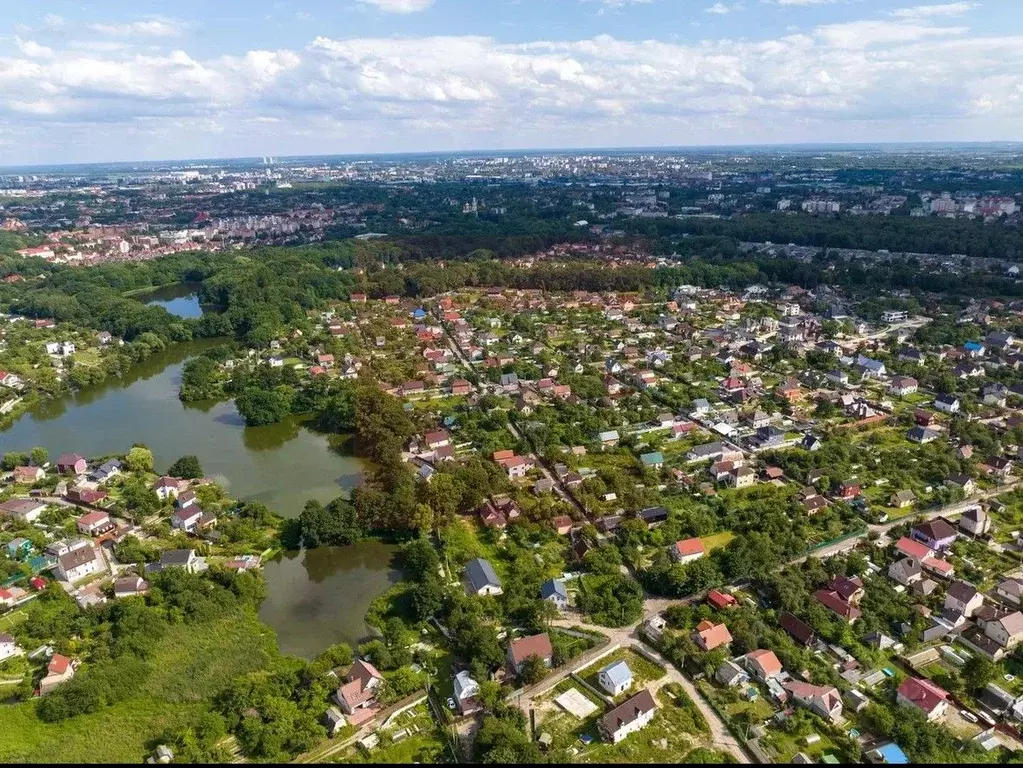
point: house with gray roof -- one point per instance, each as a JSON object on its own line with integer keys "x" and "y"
{"x": 554, "y": 591}
{"x": 481, "y": 579}
{"x": 615, "y": 678}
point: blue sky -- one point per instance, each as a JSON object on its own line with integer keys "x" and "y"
{"x": 109, "y": 80}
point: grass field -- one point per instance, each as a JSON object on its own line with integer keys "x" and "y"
{"x": 716, "y": 540}
{"x": 190, "y": 664}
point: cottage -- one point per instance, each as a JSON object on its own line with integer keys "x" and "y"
{"x": 800, "y": 631}
{"x": 921, "y": 693}
{"x": 1007, "y": 631}
{"x": 906, "y": 571}
{"x": 26, "y": 510}
{"x": 79, "y": 563}
{"x": 59, "y": 670}
{"x": 628, "y": 717}
{"x": 903, "y": 385}
{"x": 130, "y": 586}
{"x": 554, "y": 591}
{"x": 94, "y": 523}
{"x": 481, "y": 579}
{"x": 522, "y": 648}
{"x": 467, "y": 693}
{"x": 709, "y": 635}
{"x": 962, "y": 597}
{"x": 822, "y": 700}
{"x": 834, "y": 603}
{"x": 615, "y": 678}
{"x": 731, "y": 674}
{"x": 935, "y": 534}
{"x": 947, "y": 403}
{"x": 763, "y": 665}
{"x": 359, "y": 689}
{"x": 688, "y": 550}
{"x": 975, "y": 522}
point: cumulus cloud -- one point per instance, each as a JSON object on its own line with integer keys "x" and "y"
{"x": 155, "y": 27}
{"x": 400, "y": 6}
{"x": 934, "y": 11}
{"x": 830, "y": 83}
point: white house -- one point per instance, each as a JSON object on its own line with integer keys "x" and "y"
{"x": 628, "y": 717}
{"x": 8, "y": 647}
{"x": 79, "y": 563}
{"x": 615, "y": 678}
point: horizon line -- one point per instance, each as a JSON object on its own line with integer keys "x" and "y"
{"x": 548, "y": 150}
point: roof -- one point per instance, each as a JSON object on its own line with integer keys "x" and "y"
{"x": 58, "y": 664}
{"x": 922, "y": 693}
{"x": 617, "y": 673}
{"x": 834, "y": 602}
{"x": 76, "y": 557}
{"x": 553, "y": 587}
{"x": 481, "y": 574}
{"x": 92, "y": 518}
{"x": 936, "y": 529}
{"x": 720, "y": 599}
{"x": 713, "y": 635}
{"x": 628, "y": 711}
{"x": 534, "y": 645}
{"x": 689, "y": 547}
{"x": 766, "y": 661}
{"x": 913, "y": 548}
{"x": 893, "y": 754}
{"x": 799, "y": 630}
{"x": 962, "y": 591}
{"x": 1013, "y": 623}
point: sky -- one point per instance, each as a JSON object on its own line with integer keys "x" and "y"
{"x": 105, "y": 80}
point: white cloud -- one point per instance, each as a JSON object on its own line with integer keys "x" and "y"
{"x": 854, "y": 81}
{"x": 720, "y": 8}
{"x": 400, "y": 6}
{"x": 155, "y": 27}
{"x": 934, "y": 11}
{"x": 33, "y": 50}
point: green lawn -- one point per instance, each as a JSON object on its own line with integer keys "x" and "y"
{"x": 190, "y": 664}
{"x": 643, "y": 671}
{"x": 426, "y": 743}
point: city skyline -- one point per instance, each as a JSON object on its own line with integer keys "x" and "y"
{"x": 387, "y": 76}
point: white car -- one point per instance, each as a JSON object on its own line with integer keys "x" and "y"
{"x": 451, "y": 704}
{"x": 968, "y": 715}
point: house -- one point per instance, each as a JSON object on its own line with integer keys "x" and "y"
{"x": 800, "y": 631}
{"x": 19, "y": 548}
{"x": 653, "y": 516}
{"x": 975, "y": 521}
{"x": 1010, "y": 590}
{"x": 178, "y": 558}
{"x": 654, "y": 460}
{"x": 71, "y": 463}
{"x": 130, "y": 586}
{"x": 849, "y": 589}
{"x": 903, "y": 385}
{"x": 731, "y": 674}
{"x": 834, "y": 603}
{"x": 167, "y": 487}
{"x": 1006, "y": 631}
{"x": 935, "y": 534}
{"x": 94, "y": 523}
{"x": 59, "y": 670}
{"x": 28, "y": 475}
{"x": 8, "y": 647}
{"x": 466, "y": 692}
{"x": 553, "y": 591}
{"x": 962, "y": 597}
{"x": 902, "y": 499}
{"x": 359, "y": 689}
{"x": 628, "y": 717}
{"x": 79, "y": 563}
{"x": 721, "y": 600}
{"x": 848, "y": 490}
{"x": 522, "y": 648}
{"x": 480, "y": 578}
{"x": 822, "y": 700}
{"x": 922, "y": 435}
{"x": 687, "y": 550}
{"x": 947, "y": 403}
{"x": 26, "y": 510}
{"x": 562, "y": 524}
{"x": 191, "y": 519}
{"x": 106, "y": 470}
{"x": 334, "y": 720}
{"x": 905, "y": 571}
{"x": 961, "y": 482}
{"x": 608, "y": 439}
{"x": 925, "y": 696}
{"x": 763, "y": 665}
{"x": 615, "y": 678}
{"x": 709, "y": 635}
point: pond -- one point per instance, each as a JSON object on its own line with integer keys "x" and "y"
{"x": 282, "y": 465}
{"x": 181, "y": 299}
{"x": 318, "y": 597}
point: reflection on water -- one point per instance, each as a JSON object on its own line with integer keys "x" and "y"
{"x": 320, "y": 596}
{"x": 282, "y": 465}
{"x": 180, "y": 300}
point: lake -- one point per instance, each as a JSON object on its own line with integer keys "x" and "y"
{"x": 282, "y": 465}
{"x": 318, "y": 597}
{"x": 181, "y": 299}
